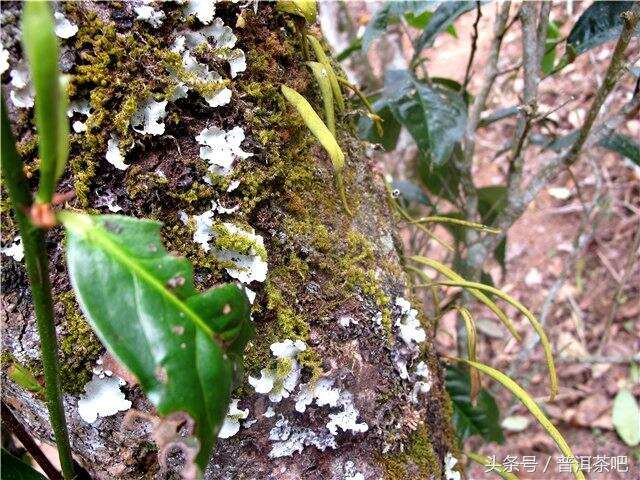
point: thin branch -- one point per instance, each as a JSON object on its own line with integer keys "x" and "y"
{"x": 11, "y": 423}
{"x": 474, "y": 46}
{"x": 601, "y": 359}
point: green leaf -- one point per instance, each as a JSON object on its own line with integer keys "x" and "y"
{"x": 626, "y": 417}
{"x": 354, "y": 46}
{"x": 491, "y": 202}
{"x": 183, "y": 346}
{"x": 416, "y": 12}
{"x": 333, "y": 80}
{"x": 549, "y": 58}
{"x": 41, "y": 47}
{"x": 435, "y": 118}
{"x": 15, "y": 469}
{"x": 322, "y": 77}
{"x": 316, "y": 125}
{"x": 303, "y": 8}
{"x": 441, "y": 180}
{"x": 441, "y": 19}
{"x": 624, "y": 145}
{"x": 483, "y": 419}
{"x": 598, "y": 24}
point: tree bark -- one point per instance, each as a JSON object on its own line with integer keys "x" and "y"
{"x": 333, "y": 280}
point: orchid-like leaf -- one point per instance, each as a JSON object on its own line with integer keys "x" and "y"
{"x": 322, "y": 77}
{"x": 333, "y": 79}
{"x": 183, "y": 346}
{"x": 302, "y": 8}
{"x": 535, "y": 410}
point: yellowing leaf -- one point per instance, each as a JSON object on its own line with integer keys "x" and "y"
{"x": 626, "y": 417}
{"x": 495, "y": 466}
{"x": 471, "y": 352}
{"x": 333, "y": 79}
{"x": 535, "y": 410}
{"x": 447, "y": 272}
{"x": 457, "y": 221}
{"x": 548, "y": 353}
{"x": 322, "y": 77}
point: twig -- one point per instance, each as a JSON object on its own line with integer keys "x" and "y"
{"x": 11, "y": 423}
{"x": 474, "y": 46}
{"x": 631, "y": 257}
{"x": 37, "y": 263}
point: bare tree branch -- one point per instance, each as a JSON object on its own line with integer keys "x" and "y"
{"x": 474, "y": 46}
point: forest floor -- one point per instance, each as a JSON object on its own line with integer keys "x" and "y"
{"x": 540, "y": 266}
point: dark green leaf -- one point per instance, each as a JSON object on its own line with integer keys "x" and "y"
{"x": 623, "y": 145}
{"x": 440, "y": 180}
{"x": 442, "y": 18}
{"x": 390, "y": 127}
{"x": 15, "y": 469}
{"x": 377, "y": 25}
{"x": 491, "y": 201}
{"x": 435, "y": 118}
{"x": 500, "y": 253}
{"x": 41, "y": 46}
{"x": 483, "y": 419}
{"x": 600, "y": 23}
{"x": 454, "y": 86}
{"x": 183, "y": 346}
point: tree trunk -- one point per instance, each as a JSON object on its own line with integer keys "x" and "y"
{"x": 334, "y": 282}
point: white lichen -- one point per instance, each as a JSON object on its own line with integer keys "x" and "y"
{"x": 231, "y": 424}
{"x": 150, "y": 15}
{"x": 421, "y": 386}
{"x": 114, "y": 155}
{"x": 220, "y": 149}
{"x": 63, "y": 27}
{"x": 449, "y": 463}
{"x": 251, "y": 295}
{"x": 347, "y": 419}
{"x": 203, "y": 233}
{"x": 82, "y": 107}
{"x": 279, "y": 387}
{"x": 148, "y": 118}
{"x": 251, "y": 266}
{"x": 4, "y": 60}
{"x": 15, "y": 250}
{"x": 410, "y": 329}
{"x": 22, "y": 93}
{"x": 289, "y": 440}
{"x": 204, "y": 10}
{"x": 102, "y": 398}
{"x": 322, "y": 392}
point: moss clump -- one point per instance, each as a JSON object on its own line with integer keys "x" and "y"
{"x": 224, "y": 239}
{"x": 79, "y": 347}
{"x": 419, "y": 460}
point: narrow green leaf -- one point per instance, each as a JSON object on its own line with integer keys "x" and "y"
{"x": 457, "y": 221}
{"x": 470, "y": 326}
{"x": 535, "y": 410}
{"x": 41, "y": 47}
{"x": 15, "y": 469}
{"x": 482, "y": 419}
{"x": 623, "y": 145}
{"x": 450, "y": 274}
{"x": 495, "y": 466}
{"x": 626, "y": 417}
{"x": 354, "y": 46}
{"x": 63, "y": 126}
{"x": 442, "y": 18}
{"x": 307, "y": 9}
{"x": 183, "y": 346}
{"x": 322, "y": 77}
{"x": 548, "y": 352}
{"x": 598, "y": 24}
{"x": 333, "y": 80}
{"x": 316, "y": 125}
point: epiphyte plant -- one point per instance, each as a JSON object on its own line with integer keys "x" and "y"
{"x": 184, "y": 347}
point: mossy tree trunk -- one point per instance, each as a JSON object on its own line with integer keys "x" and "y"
{"x": 333, "y": 280}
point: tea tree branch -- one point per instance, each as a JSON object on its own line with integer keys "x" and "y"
{"x": 36, "y": 261}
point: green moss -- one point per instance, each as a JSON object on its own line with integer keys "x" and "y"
{"x": 79, "y": 347}
{"x": 419, "y": 460}
{"x": 226, "y": 240}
